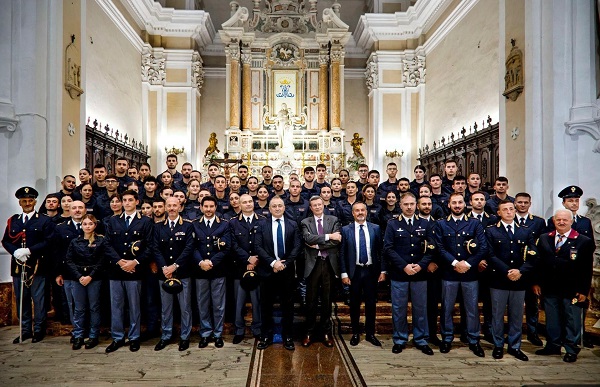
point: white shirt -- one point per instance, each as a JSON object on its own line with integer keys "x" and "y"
{"x": 511, "y": 224}
{"x": 357, "y": 244}
{"x": 248, "y": 218}
{"x": 566, "y": 235}
{"x": 29, "y": 216}
{"x": 210, "y": 221}
{"x": 173, "y": 222}
{"x": 412, "y": 219}
{"x": 428, "y": 217}
{"x": 274, "y": 226}
{"x": 519, "y": 217}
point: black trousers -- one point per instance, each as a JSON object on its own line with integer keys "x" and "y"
{"x": 319, "y": 282}
{"x": 363, "y": 283}
{"x": 278, "y": 285}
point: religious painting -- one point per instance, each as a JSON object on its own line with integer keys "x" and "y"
{"x": 285, "y": 91}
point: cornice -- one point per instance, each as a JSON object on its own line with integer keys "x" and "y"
{"x": 117, "y": 17}
{"x": 461, "y": 10}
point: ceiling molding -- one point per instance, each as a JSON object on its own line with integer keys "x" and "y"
{"x": 461, "y": 10}
{"x": 214, "y": 72}
{"x": 126, "y": 29}
{"x": 353, "y": 73}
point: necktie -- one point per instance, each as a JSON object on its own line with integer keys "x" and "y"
{"x": 362, "y": 246}
{"x": 25, "y": 219}
{"x": 522, "y": 222}
{"x": 324, "y": 253}
{"x": 280, "y": 244}
{"x": 78, "y": 226}
{"x": 410, "y": 222}
{"x": 510, "y": 232}
{"x": 208, "y": 224}
{"x": 479, "y": 217}
{"x": 127, "y": 221}
{"x": 560, "y": 241}
{"x": 248, "y": 220}
{"x": 172, "y": 226}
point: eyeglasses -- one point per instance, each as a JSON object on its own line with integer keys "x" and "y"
{"x": 111, "y": 181}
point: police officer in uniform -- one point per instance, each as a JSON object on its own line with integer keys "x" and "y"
{"x": 173, "y": 249}
{"x": 27, "y": 238}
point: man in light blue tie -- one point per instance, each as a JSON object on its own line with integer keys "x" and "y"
{"x": 362, "y": 267}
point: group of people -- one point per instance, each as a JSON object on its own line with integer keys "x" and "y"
{"x": 150, "y": 240}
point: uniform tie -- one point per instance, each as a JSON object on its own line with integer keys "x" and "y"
{"x": 362, "y": 246}
{"x": 410, "y": 222}
{"x": 78, "y": 226}
{"x": 208, "y": 224}
{"x": 510, "y": 232}
{"x": 25, "y": 219}
{"x": 127, "y": 221}
{"x": 522, "y": 222}
{"x": 560, "y": 241}
{"x": 479, "y": 218}
{"x": 172, "y": 225}
{"x": 280, "y": 244}
{"x": 248, "y": 220}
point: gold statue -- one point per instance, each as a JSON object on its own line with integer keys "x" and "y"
{"x": 356, "y": 144}
{"x": 212, "y": 145}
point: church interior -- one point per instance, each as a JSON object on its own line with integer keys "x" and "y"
{"x": 505, "y": 87}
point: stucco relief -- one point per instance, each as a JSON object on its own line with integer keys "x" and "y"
{"x": 372, "y": 75}
{"x": 197, "y": 71}
{"x": 414, "y": 71}
{"x": 153, "y": 68}
{"x": 513, "y": 78}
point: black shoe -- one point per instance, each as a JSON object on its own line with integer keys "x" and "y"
{"x": 134, "y": 345}
{"x": 433, "y": 340}
{"x": 354, "y": 340}
{"x": 37, "y": 337}
{"x": 238, "y": 339}
{"x": 203, "y": 342}
{"x": 397, "y": 348}
{"x": 114, "y": 346}
{"x": 219, "y": 342}
{"x": 184, "y": 345}
{"x": 78, "y": 344}
{"x": 91, "y": 343}
{"x": 547, "y": 351}
{"x": 162, "y": 344}
{"x": 489, "y": 338}
{"x": 72, "y": 341}
{"x": 26, "y": 336}
{"x": 535, "y": 339}
{"x": 587, "y": 341}
{"x": 464, "y": 339}
{"x": 570, "y": 358}
{"x": 498, "y": 353}
{"x": 426, "y": 349}
{"x": 445, "y": 347}
{"x": 373, "y": 340}
{"x": 264, "y": 343}
{"x": 518, "y": 354}
{"x": 477, "y": 350}
{"x": 288, "y": 344}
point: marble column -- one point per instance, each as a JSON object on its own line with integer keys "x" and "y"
{"x": 336, "y": 88}
{"x": 323, "y": 89}
{"x": 246, "y": 89}
{"x": 234, "y": 85}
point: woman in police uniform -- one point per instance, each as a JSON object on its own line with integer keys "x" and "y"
{"x": 85, "y": 258}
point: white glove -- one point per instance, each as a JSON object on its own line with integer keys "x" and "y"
{"x": 22, "y": 254}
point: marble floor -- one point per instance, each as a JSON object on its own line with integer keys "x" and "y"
{"x": 52, "y": 363}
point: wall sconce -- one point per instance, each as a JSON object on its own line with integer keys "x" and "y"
{"x": 174, "y": 151}
{"x": 394, "y": 154}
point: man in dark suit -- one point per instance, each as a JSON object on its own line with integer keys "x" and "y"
{"x": 27, "y": 239}
{"x": 279, "y": 245}
{"x": 362, "y": 268}
{"x": 563, "y": 277}
{"x": 536, "y": 226}
{"x": 462, "y": 244}
{"x": 173, "y": 248}
{"x": 130, "y": 235}
{"x": 511, "y": 252}
{"x": 322, "y": 237}
{"x": 212, "y": 244}
{"x": 404, "y": 249}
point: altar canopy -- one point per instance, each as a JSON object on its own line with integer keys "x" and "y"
{"x": 285, "y": 71}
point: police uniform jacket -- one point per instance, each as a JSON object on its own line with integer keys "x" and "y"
{"x": 307, "y": 193}
{"x": 223, "y": 204}
{"x": 491, "y": 205}
{"x": 373, "y": 211}
{"x": 85, "y": 259}
{"x": 213, "y": 244}
{"x": 441, "y": 200}
{"x": 190, "y": 213}
{"x": 581, "y": 224}
{"x": 243, "y": 240}
{"x": 344, "y": 212}
{"x": 403, "y": 245}
{"x": 505, "y": 253}
{"x": 36, "y": 235}
{"x": 264, "y": 211}
{"x": 330, "y": 209}
{"x": 568, "y": 271}
{"x": 122, "y": 240}
{"x": 486, "y": 219}
{"x": 102, "y": 209}
{"x": 296, "y": 211}
{"x": 451, "y": 240}
{"x": 65, "y": 233}
{"x": 174, "y": 247}
{"x": 535, "y": 224}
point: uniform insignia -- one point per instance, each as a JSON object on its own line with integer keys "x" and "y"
{"x": 573, "y": 254}
{"x": 26, "y": 190}
{"x": 180, "y": 233}
{"x": 572, "y": 189}
{"x": 400, "y": 229}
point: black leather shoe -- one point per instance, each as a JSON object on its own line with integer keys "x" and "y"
{"x": 373, "y": 340}
{"x": 445, "y": 347}
{"x": 535, "y": 339}
{"x": 26, "y": 336}
{"x": 477, "y": 350}
{"x": 547, "y": 351}
{"x": 203, "y": 342}
{"x": 433, "y": 340}
{"x": 426, "y": 349}
{"x": 114, "y": 346}
{"x": 184, "y": 345}
{"x": 162, "y": 344}
{"x": 288, "y": 344}
{"x": 238, "y": 339}
{"x": 518, "y": 354}
{"x": 264, "y": 343}
{"x": 397, "y": 348}
{"x": 134, "y": 345}
{"x": 219, "y": 342}
{"x": 498, "y": 353}
{"x": 570, "y": 358}
{"x": 37, "y": 337}
{"x": 464, "y": 339}
{"x": 354, "y": 340}
{"x": 72, "y": 341}
{"x": 91, "y": 343}
{"x": 78, "y": 344}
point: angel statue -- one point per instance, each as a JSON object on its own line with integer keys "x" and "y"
{"x": 212, "y": 145}
{"x": 356, "y": 143}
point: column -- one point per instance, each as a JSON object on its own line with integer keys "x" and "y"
{"x": 246, "y": 88}
{"x": 336, "y": 58}
{"x": 233, "y": 51}
{"x": 323, "y": 86}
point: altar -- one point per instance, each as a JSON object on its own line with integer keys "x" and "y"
{"x": 284, "y": 86}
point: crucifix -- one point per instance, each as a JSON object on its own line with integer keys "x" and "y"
{"x": 227, "y": 164}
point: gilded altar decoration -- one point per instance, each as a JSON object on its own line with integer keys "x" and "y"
{"x": 212, "y": 145}
{"x": 356, "y": 143}
{"x": 153, "y": 67}
{"x": 285, "y": 54}
{"x": 513, "y": 78}
{"x": 285, "y": 16}
{"x": 72, "y": 70}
